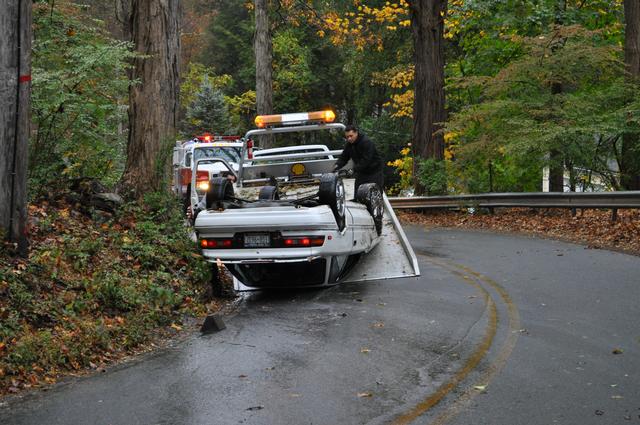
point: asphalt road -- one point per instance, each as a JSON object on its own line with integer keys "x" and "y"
{"x": 497, "y": 330}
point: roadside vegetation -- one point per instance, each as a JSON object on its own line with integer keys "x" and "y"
{"x": 95, "y": 287}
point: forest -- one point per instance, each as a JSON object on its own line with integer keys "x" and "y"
{"x": 529, "y": 85}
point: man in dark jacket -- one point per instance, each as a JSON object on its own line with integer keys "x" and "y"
{"x": 367, "y": 162}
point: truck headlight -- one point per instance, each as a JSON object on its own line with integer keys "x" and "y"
{"x": 203, "y": 186}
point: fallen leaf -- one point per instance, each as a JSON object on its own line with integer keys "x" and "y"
{"x": 365, "y": 395}
{"x": 617, "y": 397}
{"x": 176, "y": 327}
{"x": 617, "y": 351}
{"x": 255, "y": 408}
{"x": 378, "y": 325}
{"x": 480, "y": 387}
{"x": 365, "y": 350}
{"x": 242, "y": 376}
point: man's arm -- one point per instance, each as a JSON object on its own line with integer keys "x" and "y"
{"x": 345, "y": 156}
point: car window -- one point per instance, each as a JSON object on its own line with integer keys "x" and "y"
{"x": 228, "y": 153}
{"x": 187, "y": 160}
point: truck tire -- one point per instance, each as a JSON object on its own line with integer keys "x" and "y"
{"x": 332, "y": 193}
{"x": 268, "y": 193}
{"x": 220, "y": 189}
{"x": 370, "y": 195}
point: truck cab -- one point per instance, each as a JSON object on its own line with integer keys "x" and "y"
{"x": 228, "y": 148}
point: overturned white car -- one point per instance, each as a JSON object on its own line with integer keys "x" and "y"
{"x": 287, "y": 221}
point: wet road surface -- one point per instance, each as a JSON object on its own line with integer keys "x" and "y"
{"x": 497, "y": 330}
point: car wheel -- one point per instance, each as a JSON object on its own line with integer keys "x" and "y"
{"x": 332, "y": 193}
{"x": 268, "y": 193}
{"x": 220, "y": 189}
{"x": 370, "y": 195}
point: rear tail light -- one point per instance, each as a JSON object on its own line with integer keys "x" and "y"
{"x": 249, "y": 149}
{"x": 202, "y": 176}
{"x": 216, "y": 243}
{"x": 276, "y": 242}
{"x": 303, "y": 241}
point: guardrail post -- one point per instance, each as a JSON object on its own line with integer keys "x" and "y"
{"x": 614, "y": 214}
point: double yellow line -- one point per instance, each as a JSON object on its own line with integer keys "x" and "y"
{"x": 480, "y": 282}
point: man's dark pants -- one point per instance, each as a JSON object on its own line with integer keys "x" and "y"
{"x": 369, "y": 178}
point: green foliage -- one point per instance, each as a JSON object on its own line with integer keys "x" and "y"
{"x": 79, "y": 98}
{"x": 208, "y": 112}
{"x": 229, "y": 47}
{"x": 389, "y": 135}
{"x": 292, "y": 74}
{"x": 89, "y": 289}
{"x": 566, "y": 94}
{"x": 404, "y": 169}
{"x": 242, "y": 109}
{"x": 193, "y": 79}
{"x": 433, "y": 176}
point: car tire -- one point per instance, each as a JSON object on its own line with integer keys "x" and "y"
{"x": 370, "y": 195}
{"x": 220, "y": 189}
{"x": 269, "y": 193}
{"x": 332, "y": 193}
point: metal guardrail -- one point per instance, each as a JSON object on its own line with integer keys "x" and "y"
{"x": 613, "y": 200}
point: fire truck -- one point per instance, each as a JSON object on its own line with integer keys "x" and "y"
{"x": 229, "y": 149}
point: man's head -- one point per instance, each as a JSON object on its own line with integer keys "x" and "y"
{"x": 351, "y": 133}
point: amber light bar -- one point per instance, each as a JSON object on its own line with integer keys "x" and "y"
{"x": 263, "y": 121}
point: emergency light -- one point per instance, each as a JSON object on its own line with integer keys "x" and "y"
{"x": 207, "y": 138}
{"x": 263, "y": 121}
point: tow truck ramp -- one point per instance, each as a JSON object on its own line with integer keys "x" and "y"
{"x": 392, "y": 257}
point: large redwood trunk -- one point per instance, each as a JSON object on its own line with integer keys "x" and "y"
{"x": 630, "y": 164}
{"x": 427, "y": 24}
{"x": 264, "y": 57}
{"x": 15, "y": 90}
{"x": 153, "y": 102}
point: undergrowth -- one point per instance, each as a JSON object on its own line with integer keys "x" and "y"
{"x": 94, "y": 288}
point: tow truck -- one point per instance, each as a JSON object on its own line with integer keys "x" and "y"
{"x": 286, "y": 220}
{"x": 229, "y": 148}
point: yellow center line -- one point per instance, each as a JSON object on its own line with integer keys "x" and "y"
{"x": 480, "y": 352}
{"x": 469, "y": 365}
{"x": 502, "y": 356}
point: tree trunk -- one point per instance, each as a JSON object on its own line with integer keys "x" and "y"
{"x": 427, "y": 24}
{"x": 123, "y": 16}
{"x": 15, "y": 89}
{"x": 630, "y": 161}
{"x": 263, "y": 52}
{"x": 153, "y": 102}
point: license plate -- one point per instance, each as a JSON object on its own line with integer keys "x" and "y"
{"x": 257, "y": 241}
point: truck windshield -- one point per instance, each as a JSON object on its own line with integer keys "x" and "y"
{"x": 228, "y": 153}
